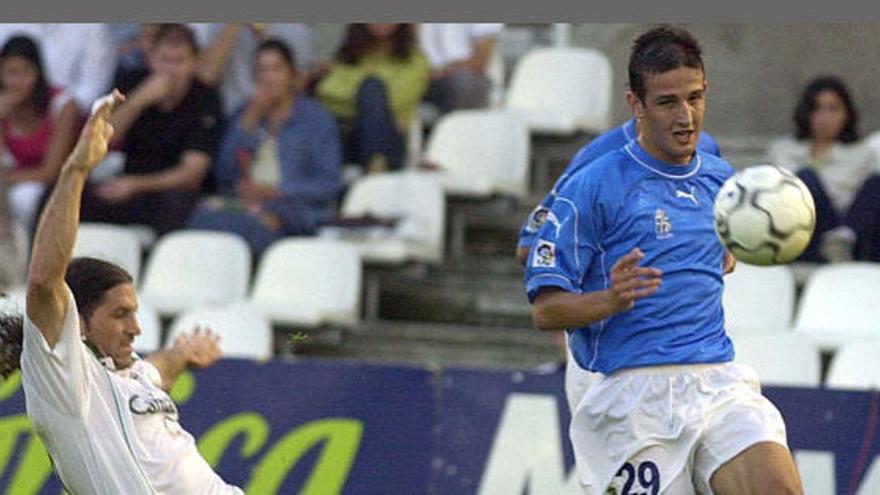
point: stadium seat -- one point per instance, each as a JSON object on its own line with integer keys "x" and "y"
{"x": 839, "y": 304}
{"x": 191, "y": 268}
{"x": 150, "y": 338}
{"x": 562, "y": 90}
{"x": 855, "y": 366}
{"x": 309, "y": 282}
{"x": 415, "y": 199}
{"x": 243, "y": 329}
{"x": 115, "y": 243}
{"x": 785, "y": 359}
{"x": 747, "y": 295}
{"x": 481, "y": 153}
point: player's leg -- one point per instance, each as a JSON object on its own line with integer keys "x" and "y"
{"x": 764, "y": 468}
{"x": 743, "y": 449}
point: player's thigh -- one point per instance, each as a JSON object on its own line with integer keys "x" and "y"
{"x": 766, "y": 468}
{"x": 652, "y": 471}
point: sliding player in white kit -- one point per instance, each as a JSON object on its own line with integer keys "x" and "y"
{"x": 102, "y": 413}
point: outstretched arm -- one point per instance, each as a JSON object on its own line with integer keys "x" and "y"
{"x": 556, "y": 309}
{"x": 56, "y": 233}
{"x": 197, "y": 349}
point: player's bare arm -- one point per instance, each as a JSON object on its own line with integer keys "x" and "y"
{"x": 56, "y": 232}
{"x": 198, "y": 349}
{"x": 556, "y": 309}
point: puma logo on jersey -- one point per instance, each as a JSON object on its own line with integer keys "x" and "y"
{"x": 689, "y": 195}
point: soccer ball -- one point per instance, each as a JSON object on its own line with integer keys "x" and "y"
{"x": 764, "y": 215}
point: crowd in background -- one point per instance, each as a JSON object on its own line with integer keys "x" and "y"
{"x": 242, "y": 128}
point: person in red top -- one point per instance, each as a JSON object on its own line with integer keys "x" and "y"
{"x": 37, "y": 127}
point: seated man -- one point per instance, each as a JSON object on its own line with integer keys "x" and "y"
{"x": 459, "y": 55}
{"x": 169, "y": 128}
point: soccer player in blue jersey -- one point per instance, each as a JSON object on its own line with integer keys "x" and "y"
{"x": 608, "y": 141}
{"x": 629, "y": 263}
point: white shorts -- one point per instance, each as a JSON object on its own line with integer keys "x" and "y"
{"x": 577, "y": 380}
{"x": 673, "y": 426}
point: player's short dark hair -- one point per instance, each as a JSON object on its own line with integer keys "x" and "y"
{"x": 89, "y": 279}
{"x": 11, "y": 337}
{"x": 176, "y": 34}
{"x": 660, "y": 50}
{"x": 807, "y": 105}
{"x": 281, "y": 48}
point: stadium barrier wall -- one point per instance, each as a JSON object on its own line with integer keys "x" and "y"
{"x": 324, "y": 427}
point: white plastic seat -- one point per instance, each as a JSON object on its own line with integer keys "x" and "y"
{"x": 855, "y": 366}
{"x": 150, "y": 339}
{"x": 839, "y": 304}
{"x": 786, "y": 359}
{"x": 192, "y": 268}
{"x": 416, "y": 200}
{"x": 748, "y": 293}
{"x": 562, "y": 90}
{"x": 309, "y": 282}
{"x": 481, "y": 153}
{"x": 243, "y": 329}
{"x": 114, "y": 243}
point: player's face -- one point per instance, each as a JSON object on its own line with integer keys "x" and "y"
{"x": 18, "y": 77}
{"x": 828, "y": 117}
{"x": 273, "y": 74}
{"x": 113, "y": 325}
{"x": 178, "y": 61}
{"x": 671, "y": 114}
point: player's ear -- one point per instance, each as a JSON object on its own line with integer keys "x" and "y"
{"x": 635, "y": 104}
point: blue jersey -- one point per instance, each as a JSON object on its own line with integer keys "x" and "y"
{"x": 609, "y": 141}
{"x": 628, "y": 199}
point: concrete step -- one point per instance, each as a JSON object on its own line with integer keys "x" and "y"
{"x": 457, "y": 298}
{"x": 438, "y": 345}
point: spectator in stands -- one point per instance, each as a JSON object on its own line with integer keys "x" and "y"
{"x": 228, "y": 52}
{"x": 374, "y": 89}
{"x": 279, "y": 162}
{"x": 77, "y": 57}
{"x": 169, "y": 127}
{"x": 840, "y": 171}
{"x": 37, "y": 127}
{"x": 459, "y": 55}
{"x": 11, "y": 272}
{"x": 132, "y": 42}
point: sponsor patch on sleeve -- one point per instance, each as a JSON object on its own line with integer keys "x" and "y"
{"x": 537, "y": 219}
{"x": 545, "y": 254}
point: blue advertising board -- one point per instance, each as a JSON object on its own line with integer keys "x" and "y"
{"x": 323, "y": 427}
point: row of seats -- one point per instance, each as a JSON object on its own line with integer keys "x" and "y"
{"x": 795, "y": 361}
{"x": 836, "y": 306}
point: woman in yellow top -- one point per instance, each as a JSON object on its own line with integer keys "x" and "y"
{"x": 374, "y": 89}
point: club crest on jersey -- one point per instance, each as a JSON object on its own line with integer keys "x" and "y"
{"x": 537, "y": 219}
{"x": 662, "y": 225}
{"x": 545, "y": 254}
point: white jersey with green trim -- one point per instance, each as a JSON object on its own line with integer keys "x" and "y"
{"x": 108, "y": 431}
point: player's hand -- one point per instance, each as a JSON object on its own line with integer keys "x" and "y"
{"x": 118, "y": 189}
{"x": 630, "y": 282}
{"x": 729, "y": 262}
{"x": 91, "y": 147}
{"x": 200, "y": 347}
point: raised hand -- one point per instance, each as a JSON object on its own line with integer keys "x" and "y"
{"x": 630, "y": 282}
{"x": 91, "y": 147}
{"x": 201, "y": 347}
